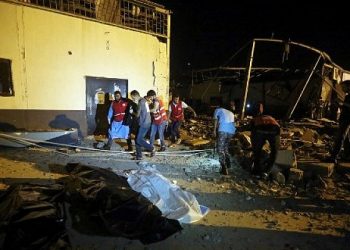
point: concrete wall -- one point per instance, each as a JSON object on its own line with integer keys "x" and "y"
{"x": 52, "y": 53}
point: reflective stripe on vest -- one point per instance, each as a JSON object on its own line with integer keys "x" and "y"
{"x": 177, "y": 112}
{"x": 119, "y": 110}
{"x": 159, "y": 115}
{"x": 264, "y": 120}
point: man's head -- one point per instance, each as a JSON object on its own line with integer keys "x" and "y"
{"x": 258, "y": 109}
{"x": 231, "y": 105}
{"x": 117, "y": 95}
{"x": 176, "y": 98}
{"x": 135, "y": 95}
{"x": 151, "y": 95}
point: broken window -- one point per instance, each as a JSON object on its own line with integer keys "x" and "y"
{"x": 138, "y": 14}
{"x": 142, "y": 17}
{"x": 6, "y": 86}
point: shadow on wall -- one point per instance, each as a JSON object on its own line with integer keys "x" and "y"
{"x": 7, "y": 127}
{"x": 63, "y": 122}
{"x": 101, "y": 119}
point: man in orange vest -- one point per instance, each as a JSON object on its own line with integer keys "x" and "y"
{"x": 116, "y": 114}
{"x": 159, "y": 122}
{"x": 176, "y": 115}
{"x": 263, "y": 128}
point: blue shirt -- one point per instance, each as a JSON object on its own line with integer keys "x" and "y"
{"x": 226, "y": 120}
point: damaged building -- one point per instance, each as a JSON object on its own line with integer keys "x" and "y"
{"x": 292, "y": 79}
{"x": 61, "y": 60}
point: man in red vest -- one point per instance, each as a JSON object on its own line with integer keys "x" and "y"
{"x": 159, "y": 122}
{"x": 115, "y": 118}
{"x": 176, "y": 115}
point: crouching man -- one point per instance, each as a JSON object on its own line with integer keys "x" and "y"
{"x": 263, "y": 128}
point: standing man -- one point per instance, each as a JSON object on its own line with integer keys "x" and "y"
{"x": 130, "y": 116}
{"x": 263, "y": 128}
{"x": 344, "y": 122}
{"x": 224, "y": 129}
{"x": 176, "y": 114}
{"x": 144, "y": 120}
{"x": 159, "y": 122}
{"x": 116, "y": 114}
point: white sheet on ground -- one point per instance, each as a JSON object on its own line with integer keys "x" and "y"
{"x": 174, "y": 202}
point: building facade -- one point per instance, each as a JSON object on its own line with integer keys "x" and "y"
{"x": 61, "y": 60}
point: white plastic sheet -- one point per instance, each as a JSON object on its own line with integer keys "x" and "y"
{"x": 174, "y": 202}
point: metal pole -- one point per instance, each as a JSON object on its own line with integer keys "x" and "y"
{"x": 191, "y": 84}
{"x": 247, "y": 79}
{"x": 302, "y": 91}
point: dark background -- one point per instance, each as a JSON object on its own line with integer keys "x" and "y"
{"x": 207, "y": 34}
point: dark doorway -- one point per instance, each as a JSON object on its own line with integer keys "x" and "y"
{"x": 99, "y": 94}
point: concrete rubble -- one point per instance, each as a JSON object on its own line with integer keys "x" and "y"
{"x": 305, "y": 146}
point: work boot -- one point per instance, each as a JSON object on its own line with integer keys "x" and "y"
{"x": 162, "y": 149}
{"x": 130, "y": 149}
{"x": 153, "y": 152}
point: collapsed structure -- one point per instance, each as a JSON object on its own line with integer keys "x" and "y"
{"x": 292, "y": 79}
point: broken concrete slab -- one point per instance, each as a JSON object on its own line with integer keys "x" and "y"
{"x": 295, "y": 175}
{"x": 244, "y": 139}
{"x": 343, "y": 167}
{"x": 322, "y": 169}
{"x": 286, "y": 159}
{"x": 310, "y": 135}
{"x": 196, "y": 142}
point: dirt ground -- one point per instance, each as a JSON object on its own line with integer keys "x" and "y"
{"x": 245, "y": 213}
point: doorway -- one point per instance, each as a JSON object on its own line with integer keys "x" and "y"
{"x": 99, "y": 94}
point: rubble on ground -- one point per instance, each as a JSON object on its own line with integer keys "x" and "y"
{"x": 301, "y": 161}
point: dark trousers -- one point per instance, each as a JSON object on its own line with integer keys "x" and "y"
{"x": 223, "y": 143}
{"x": 343, "y": 131}
{"x": 258, "y": 140}
{"x": 175, "y": 130}
{"x": 141, "y": 142}
{"x": 134, "y": 128}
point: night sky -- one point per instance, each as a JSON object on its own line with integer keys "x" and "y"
{"x": 207, "y": 34}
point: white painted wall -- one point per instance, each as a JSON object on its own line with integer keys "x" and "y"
{"x": 46, "y": 77}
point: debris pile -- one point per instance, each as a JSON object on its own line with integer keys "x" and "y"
{"x": 304, "y": 149}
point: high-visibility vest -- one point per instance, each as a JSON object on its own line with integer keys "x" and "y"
{"x": 119, "y": 108}
{"x": 177, "y": 113}
{"x": 264, "y": 120}
{"x": 159, "y": 115}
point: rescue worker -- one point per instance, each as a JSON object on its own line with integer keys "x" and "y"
{"x": 263, "y": 128}
{"x": 224, "y": 129}
{"x": 159, "y": 122}
{"x": 116, "y": 114}
{"x": 176, "y": 117}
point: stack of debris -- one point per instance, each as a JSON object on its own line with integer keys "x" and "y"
{"x": 305, "y": 146}
{"x": 198, "y": 132}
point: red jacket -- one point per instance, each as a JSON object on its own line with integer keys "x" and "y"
{"x": 177, "y": 113}
{"x": 119, "y": 108}
{"x": 159, "y": 115}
